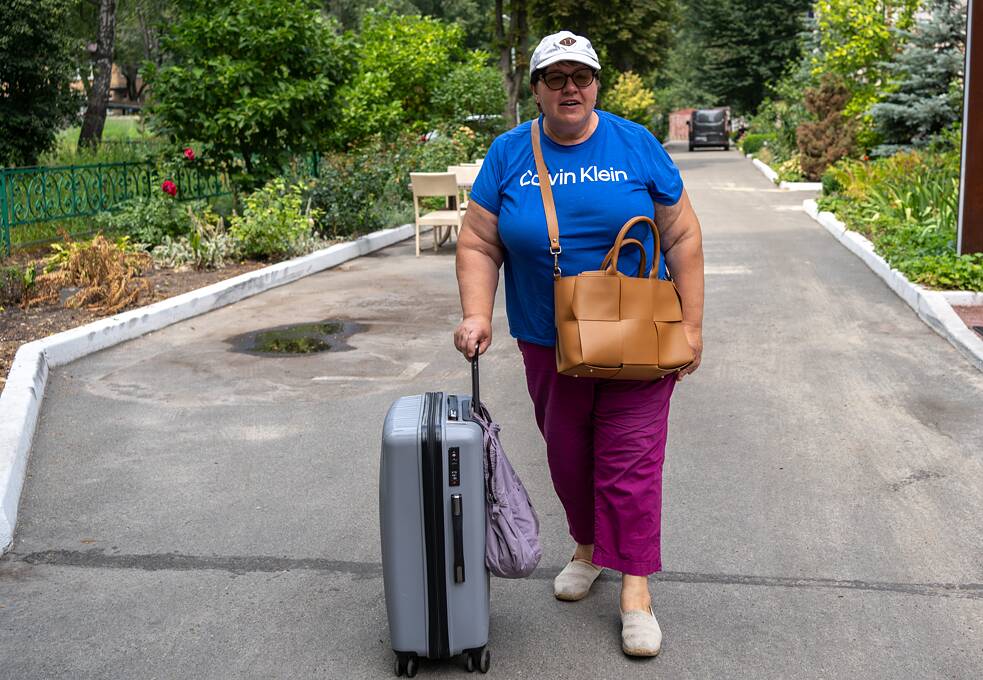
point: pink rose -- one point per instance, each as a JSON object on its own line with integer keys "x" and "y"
{"x": 189, "y": 153}
{"x": 169, "y": 188}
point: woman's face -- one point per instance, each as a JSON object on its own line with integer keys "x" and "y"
{"x": 571, "y": 106}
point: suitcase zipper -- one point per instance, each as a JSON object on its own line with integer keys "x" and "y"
{"x": 432, "y": 453}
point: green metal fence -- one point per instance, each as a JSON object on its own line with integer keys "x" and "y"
{"x": 47, "y": 194}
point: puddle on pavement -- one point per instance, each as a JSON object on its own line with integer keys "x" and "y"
{"x": 297, "y": 339}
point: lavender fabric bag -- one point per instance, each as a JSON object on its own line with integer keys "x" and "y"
{"x": 512, "y": 547}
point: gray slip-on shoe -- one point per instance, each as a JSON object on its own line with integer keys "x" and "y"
{"x": 574, "y": 581}
{"x": 640, "y": 633}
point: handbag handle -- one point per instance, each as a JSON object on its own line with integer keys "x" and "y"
{"x": 628, "y": 242}
{"x": 549, "y": 207}
{"x": 618, "y": 242}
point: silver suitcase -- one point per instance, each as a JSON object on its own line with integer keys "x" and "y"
{"x": 432, "y": 516}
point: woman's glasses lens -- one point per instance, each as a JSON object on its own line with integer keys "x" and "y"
{"x": 557, "y": 81}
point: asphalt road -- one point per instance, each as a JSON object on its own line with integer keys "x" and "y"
{"x": 193, "y": 511}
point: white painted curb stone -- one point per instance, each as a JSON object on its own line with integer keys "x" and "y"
{"x": 765, "y": 170}
{"x": 932, "y": 306}
{"x": 20, "y": 401}
{"x": 787, "y": 186}
{"x": 801, "y": 186}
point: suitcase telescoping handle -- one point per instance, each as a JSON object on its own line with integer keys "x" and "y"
{"x": 457, "y": 517}
{"x": 475, "y": 399}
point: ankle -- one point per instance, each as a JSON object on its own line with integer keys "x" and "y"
{"x": 584, "y": 552}
{"x": 635, "y": 593}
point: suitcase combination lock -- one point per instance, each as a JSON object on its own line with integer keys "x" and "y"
{"x": 454, "y": 466}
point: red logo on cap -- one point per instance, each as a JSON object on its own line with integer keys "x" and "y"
{"x": 567, "y": 42}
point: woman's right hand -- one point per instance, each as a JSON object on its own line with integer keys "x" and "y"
{"x": 473, "y": 330}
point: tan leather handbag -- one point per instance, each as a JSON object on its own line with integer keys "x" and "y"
{"x": 609, "y": 325}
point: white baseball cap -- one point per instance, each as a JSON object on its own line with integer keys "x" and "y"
{"x": 563, "y": 46}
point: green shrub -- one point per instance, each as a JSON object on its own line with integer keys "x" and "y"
{"x": 629, "y": 98}
{"x": 348, "y": 196}
{"x": 149, "y": 220}
{"x": 273, "y": 221}
{"x": 790, "y": 170}
{"x": 907, "y": 206}
{"x": 752, "y": 143}
{"x": 830, "y": 184}
{"x": 15, "y": 283}
{"x": 208, "y": 246}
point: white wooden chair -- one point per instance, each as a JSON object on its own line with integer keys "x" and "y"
{"x": 443, "y": 222}
{"x": 466, "y": 174}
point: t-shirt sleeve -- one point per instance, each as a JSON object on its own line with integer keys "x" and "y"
{"x": 486, "y": 189}
{"x": 664, "y": 182}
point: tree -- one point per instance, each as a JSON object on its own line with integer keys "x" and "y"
{"x": 512, "y": 44}
{"x": 628, "y": 35}
{"x": 830, "y": 135}
{"x": 35, "y": 72}
{"x": 629, "y": 98}
{"x": 402, "y": 60}
{"x": 924, "y": 91}
{"x": 140, "y": 26}
{"x": 743, "y": 46}
{"x": 102, "y": 66}
{"x": 856, "y": 39}
{"x": 255, "y": 80}
{"x": 469, "y": 89}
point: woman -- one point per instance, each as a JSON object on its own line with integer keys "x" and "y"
{"x": 605, "y": 439}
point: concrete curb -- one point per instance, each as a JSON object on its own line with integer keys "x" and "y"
{"x": 20, "y": 401}
{"x": 765, "y": 170}
{"x": 801, "y": 186}
{"x": 787, "y": 186}
{"x": 933, "y": 307}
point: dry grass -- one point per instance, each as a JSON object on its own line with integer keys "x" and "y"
{"x": 108, "y": 276}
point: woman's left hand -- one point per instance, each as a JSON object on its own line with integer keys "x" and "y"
{"x": 694, "y": 336}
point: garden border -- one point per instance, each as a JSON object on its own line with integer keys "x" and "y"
{"x": 787, "y": 186}
{"x": 932, "y": 306}
{"x": 20, "y": 400}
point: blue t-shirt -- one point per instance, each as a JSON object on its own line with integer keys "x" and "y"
{"x": 598, "y": 185}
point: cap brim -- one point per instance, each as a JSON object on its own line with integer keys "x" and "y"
{"x": 579, "y": 58}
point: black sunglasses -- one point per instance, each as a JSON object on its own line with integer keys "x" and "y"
{"x": 556, "y": 80}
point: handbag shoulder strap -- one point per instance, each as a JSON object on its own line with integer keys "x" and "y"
{"x": 546, "y": 191}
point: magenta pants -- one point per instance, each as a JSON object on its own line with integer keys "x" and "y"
{"x": 605, "y": 443}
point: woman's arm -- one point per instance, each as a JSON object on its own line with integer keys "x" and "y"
{"x": 682, "y": 243}
{"x": 479, "y": 255}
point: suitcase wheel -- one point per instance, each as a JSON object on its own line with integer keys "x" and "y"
{"x": 408, "y": 664}
{"x": 478, "y": 659}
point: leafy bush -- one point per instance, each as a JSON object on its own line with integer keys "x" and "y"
{"x": 348, "y": 196}
{"x": 257, "y": 80}
{"x": 470, "y": 89}
{"x": 629, "y": 98}
{"x": 15, "y": 284}
{"x": 148, "y": 221}
{"x": 108, "y": 275}
{"x": 273, "y": 221}
{"x": 907, "y": 206}
{"x": 790, "y": 170}
{"x": 208, "y": 246}
{"x": 751, "y": 143}
{"x": 401, "y": 60}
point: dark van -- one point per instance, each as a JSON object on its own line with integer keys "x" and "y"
{"x": 709, "y": 127}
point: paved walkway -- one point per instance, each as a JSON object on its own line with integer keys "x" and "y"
{"x": 195, "y": 512}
